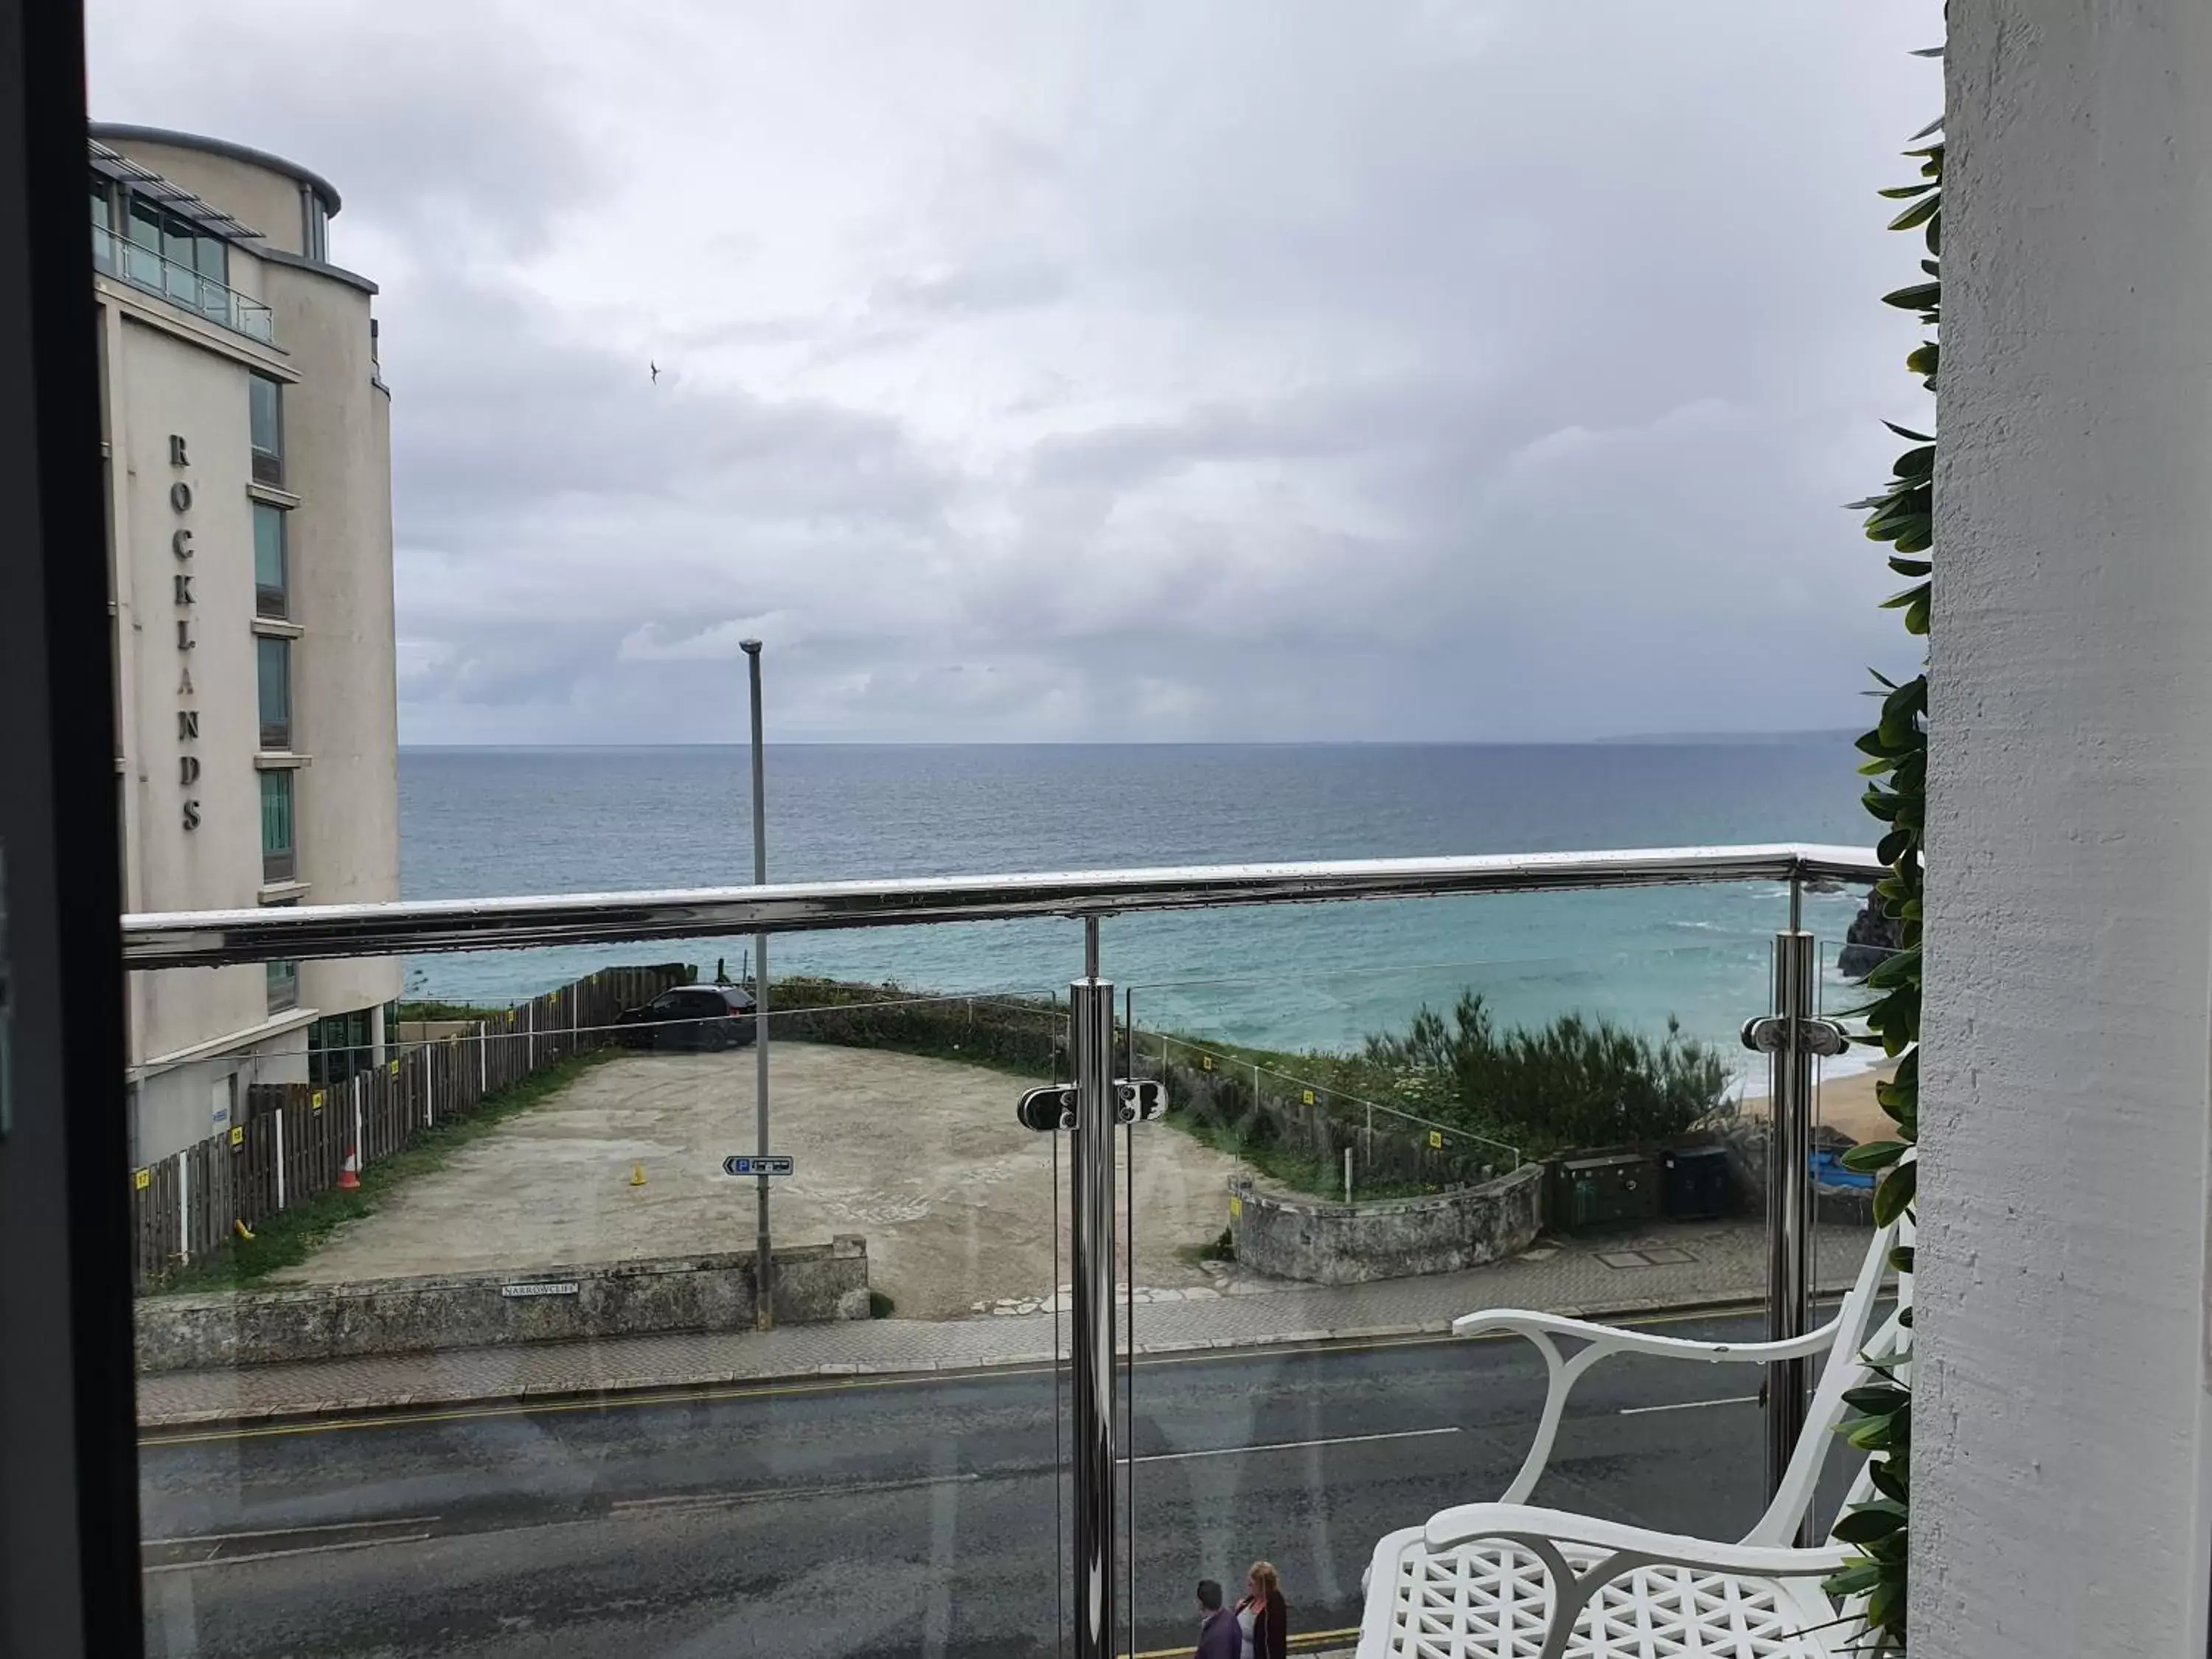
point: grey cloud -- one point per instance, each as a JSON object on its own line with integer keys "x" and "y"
{"x": 440, "y": 128}
{"x": 1264, "y": 369}
{"x": 978, "y": 289}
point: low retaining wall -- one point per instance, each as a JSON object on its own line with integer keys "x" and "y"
{"x": 813, "y": 1282}
{"x": 1326, "y": 1243}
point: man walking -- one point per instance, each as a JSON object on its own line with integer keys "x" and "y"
{"x": 1218, "y": 1635}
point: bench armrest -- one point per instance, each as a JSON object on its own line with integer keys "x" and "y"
{"x": 1544, "y": 1329}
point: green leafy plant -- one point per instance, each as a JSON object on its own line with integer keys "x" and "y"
{"x": 1577, "y": 1083}
{"x": 1903, "y": 516}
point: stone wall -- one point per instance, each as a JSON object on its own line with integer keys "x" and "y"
{"x": 813, "y": 1282}
{"x": 1326, "y": 1243}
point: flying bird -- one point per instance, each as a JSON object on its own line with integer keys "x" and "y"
{"x": 655, "y": 368}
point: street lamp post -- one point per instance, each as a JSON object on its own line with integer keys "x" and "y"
{"x": 763, "y": 1263}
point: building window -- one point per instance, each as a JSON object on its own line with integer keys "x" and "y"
{"x": 271, "y": 593}
{"x": 315, "y": 225}
{"x": 337, "y": 1047}
{"x": 142, "y": 257}
{"x": 274, "y": 663}
{"x": 211, "y": 262}
{"x": 103, "y": 230}
{"x": 279, "y": 859}
{"x": 283, "y": 976}
{"x": 265, "y": 405}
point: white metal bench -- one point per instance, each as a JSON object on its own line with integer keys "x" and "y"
{"x": 1509, "y": 1580}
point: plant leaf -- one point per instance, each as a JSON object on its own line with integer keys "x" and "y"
{"x": 1874, "y": 1155}
{"x": 1896, "y": 1190}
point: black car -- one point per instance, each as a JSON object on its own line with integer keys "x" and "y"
{"x": 691, "y": 1017}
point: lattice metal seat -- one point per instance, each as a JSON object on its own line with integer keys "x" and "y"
{"x": 1511, "y": 1580}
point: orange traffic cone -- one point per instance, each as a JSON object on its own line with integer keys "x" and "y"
{"x": 348, "y": 1172}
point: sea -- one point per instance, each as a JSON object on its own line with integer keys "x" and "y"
{"x": 1322, "y": 977}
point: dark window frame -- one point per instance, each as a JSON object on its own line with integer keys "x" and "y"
{"x": 280, "y": 863}
{"x": 69, "y": 1487}
{"x": 276, "y": 727}
{"x": 273, "y": 602}
{"x": 268, "y": 463}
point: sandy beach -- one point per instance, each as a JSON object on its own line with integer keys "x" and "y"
{"x": 1846, "y": 1104}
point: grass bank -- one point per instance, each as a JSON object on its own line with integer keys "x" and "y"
{"x": 290, "y": 1237}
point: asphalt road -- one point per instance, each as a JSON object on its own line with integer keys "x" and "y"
{"x": 883, "y": 1517}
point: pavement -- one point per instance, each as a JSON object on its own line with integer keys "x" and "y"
{"x": 922, "y": 1155}
{"x": 1685, "y": 1265}
{"x": 860, "y": 1518}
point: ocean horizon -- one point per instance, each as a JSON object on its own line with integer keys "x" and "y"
{"x": 488, "y": 821}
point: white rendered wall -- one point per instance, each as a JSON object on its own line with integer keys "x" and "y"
{"x": 2059, "y": 1448}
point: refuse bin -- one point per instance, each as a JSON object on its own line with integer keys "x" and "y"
{"x": 1611, "y": 1189}
{"x": 1694, "y": 1183}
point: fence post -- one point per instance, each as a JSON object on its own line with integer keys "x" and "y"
{"x": 484, "y": 1044}
{"x": 360, "y": 1152}
{"x": 280, "y": 1158}
{"x": 184, "y": 1209}
{"x": 530, "y": 1036}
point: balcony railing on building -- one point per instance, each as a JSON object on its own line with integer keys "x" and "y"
{"x": 146, "y": 267}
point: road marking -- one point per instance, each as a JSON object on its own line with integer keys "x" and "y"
{"x": 1690, "y": 1405}
{"x": 280, "y": 1555}
{"x": 1295, "y": 1445}
{"x": 708, "y": 1500}
{"x": 695, "y": 1396}
{"x": 292, "y": 1532}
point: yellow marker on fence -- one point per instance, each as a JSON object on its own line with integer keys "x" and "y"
{"x": 1235, "y": 1207}
{"x": 315, "y": 1101}
{"x": 1306, "y": 1096}
{"x": 1437, "y": 1139}
{"x": 395, "y": 1068}
{"x": 237, "y": 1138}
{"x": 142, "y": 1179}
{"x": 1205, "y": 1062}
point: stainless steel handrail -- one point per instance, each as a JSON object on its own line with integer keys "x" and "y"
{"x": 211, "y": 938}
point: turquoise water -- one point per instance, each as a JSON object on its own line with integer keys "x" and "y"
{"x": 486, "y": 822}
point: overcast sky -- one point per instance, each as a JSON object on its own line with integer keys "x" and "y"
{"x": 1185, "y": 370}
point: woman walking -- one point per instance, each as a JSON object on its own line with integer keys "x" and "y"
{"x": 1263, "y": 1618}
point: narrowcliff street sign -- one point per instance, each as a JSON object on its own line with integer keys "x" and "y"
{"x": 742, "y": 1163}
{"x": 541, "y": 1287}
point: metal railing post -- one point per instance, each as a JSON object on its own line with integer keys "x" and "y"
{"x": 763, "y": 1255}
{"x": 1091, "y": 1050}
{"x": 1790, "y": 1198}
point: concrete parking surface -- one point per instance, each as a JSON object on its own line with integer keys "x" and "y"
{"x": 921, "y": 1156}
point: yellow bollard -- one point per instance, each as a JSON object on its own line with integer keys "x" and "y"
{"x": 637, "y": 1174}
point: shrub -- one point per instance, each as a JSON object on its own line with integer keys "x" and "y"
{"x": 1578, "y": 1082}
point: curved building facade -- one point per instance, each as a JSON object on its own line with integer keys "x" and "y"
{"x": 246, "y": 432}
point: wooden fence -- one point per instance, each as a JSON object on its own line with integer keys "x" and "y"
{"x": 292, "y": 1139}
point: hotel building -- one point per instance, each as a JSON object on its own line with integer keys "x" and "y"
{"x": 246, "y": 429}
